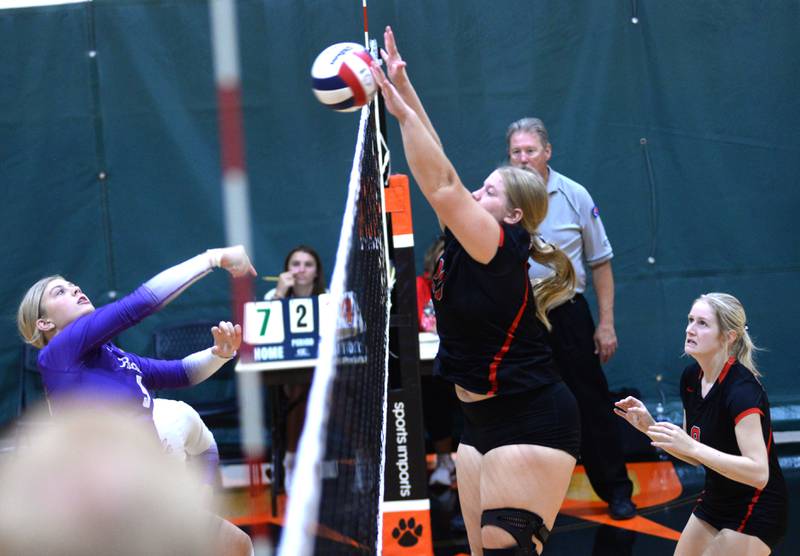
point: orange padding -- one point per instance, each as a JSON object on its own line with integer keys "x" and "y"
{"x": 398, "y": 204}
{"x": 406, "y": 533}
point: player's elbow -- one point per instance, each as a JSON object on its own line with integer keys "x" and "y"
{"x": 761, "y": 479}
{"x": 444, "y": 184}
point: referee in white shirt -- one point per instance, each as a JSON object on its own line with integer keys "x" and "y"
{"x": 573, "y": 224}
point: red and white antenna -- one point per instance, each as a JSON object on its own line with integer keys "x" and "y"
{"x": 236, "y": 202}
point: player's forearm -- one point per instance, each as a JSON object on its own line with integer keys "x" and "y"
{"x": 201, "y": 365}
{"x": 409, "y": 95}
{"x": 683, "y": 457}
{"x": 430, "y": 167}
{"x": 603, "y": 280}
{"x": 170, "y": 283}
{"x": 741, "y": 469}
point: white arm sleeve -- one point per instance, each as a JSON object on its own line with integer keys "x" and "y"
{"x": 201, "y": 365}
{"x": 170, "y": 283}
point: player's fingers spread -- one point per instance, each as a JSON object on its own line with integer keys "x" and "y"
{"x": 379, "y": 78}
{"x": 375, "y": 75}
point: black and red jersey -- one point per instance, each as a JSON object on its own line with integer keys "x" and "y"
{"x": 712, "y": 421}
{"x": 490, "y": 339}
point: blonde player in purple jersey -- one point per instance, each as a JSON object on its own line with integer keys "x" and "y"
{"x": 78, "y": 361}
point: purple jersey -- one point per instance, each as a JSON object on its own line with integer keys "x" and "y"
{"x": 81, "y": 360}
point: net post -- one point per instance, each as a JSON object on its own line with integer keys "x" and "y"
{"x": 406, "y": 489}
{"x": 236, "y": 205}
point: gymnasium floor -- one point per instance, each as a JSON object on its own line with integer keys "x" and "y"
{"x": 664, "y": 493}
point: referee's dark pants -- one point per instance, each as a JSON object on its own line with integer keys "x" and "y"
{"x": 601, "y": 447}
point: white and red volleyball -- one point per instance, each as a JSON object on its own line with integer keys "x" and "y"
{"x": 341, "y": 78}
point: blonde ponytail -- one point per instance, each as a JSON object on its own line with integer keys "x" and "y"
{"x": 731, "y": 317}
{"x": 525, "y": 189}
{"x": 554, "y": 290}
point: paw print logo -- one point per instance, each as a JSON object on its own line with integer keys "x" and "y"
{"x": 407, "y": 534}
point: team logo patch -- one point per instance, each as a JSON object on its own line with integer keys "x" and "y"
{"x": 438, "y": 280}
{"x": 695, "y": 432}
{"x": 407, "y": 533}
{"x": 595, "y": 212}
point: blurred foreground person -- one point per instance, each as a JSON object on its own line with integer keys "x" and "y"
{"x": 96, "y": 483}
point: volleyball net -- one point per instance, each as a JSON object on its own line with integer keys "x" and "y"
{"x": 335, "y": 501}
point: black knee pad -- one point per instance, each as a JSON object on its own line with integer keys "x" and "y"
{"x": 520, "y": 524}
{"x": 513, "y": 551}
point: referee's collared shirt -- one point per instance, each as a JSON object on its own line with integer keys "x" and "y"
{"x": 573, "y": 224}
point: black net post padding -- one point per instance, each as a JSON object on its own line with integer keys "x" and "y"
{"x": 405, "y": 474}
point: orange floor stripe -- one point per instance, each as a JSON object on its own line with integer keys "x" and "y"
{"x": 639, "y": 524}
{"x": 654, "y": 483}
{"x": 321, "y": 530}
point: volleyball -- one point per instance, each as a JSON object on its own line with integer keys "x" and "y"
{"x": 341, "y": 78}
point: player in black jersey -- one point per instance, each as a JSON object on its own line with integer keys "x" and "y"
{"x": 727, "y": 429}
{"x": 521, "y": 432}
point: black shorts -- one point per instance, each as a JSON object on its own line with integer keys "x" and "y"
{"x": 547, "y": 416}
{"x": 769, "y": 530}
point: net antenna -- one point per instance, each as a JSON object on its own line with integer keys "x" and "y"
{"x": 235, "y": 197}
{"x": 383, "y": 150}
{"x": 336, "y": 493}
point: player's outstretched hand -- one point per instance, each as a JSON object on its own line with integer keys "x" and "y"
{"x": 635, "y": 413}
{"x": 233, "y": 259}
{"x": 395, "y": 66}
{"x": 227, "y": 339}
{"x": 395, "y": 104}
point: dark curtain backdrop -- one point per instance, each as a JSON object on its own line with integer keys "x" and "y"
{"x": 683, "y": 126}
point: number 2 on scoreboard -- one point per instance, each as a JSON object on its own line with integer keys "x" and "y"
{"x": 302, "y": 315}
